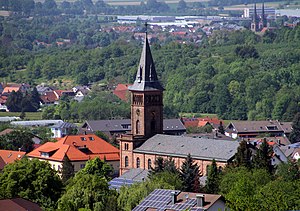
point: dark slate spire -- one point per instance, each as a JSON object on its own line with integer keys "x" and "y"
{"x": 255, "y": 14}
{"x": 263, "y": 16}
{"x": 146, "y": 77}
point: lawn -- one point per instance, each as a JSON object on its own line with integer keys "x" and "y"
{"x": 28, "y": 115}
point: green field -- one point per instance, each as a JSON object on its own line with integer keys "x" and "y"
{"x": 29, "y": 115}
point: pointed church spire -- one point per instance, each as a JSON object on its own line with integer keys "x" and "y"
{"x": 254, "y": 14}
{"x": 146, "y": 77}
{"x": 263, "y": 16}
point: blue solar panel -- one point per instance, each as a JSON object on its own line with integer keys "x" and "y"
{"x": 117, "y": 183}
{"x": 182, "y": 206}
{"x": 196, "y": 209}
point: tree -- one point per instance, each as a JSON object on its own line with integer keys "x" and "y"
{"x": 89, "y": 191}
{"x": 158, "y": 165}
{"x": 97, "y": 167}
{"x": 102, "y": 135}
{"x": 67, "y": 171}
{"x": 181, "y": 5}
{"x": 295, "y": 134}
{"x": 14, "y": 100}
{"x": 212, "y": 181}
{"x": 189, "y": 172}
{"x": 89, "y": 188}
{"x": 239, "y": 187}
{"x": 243, "y": 155}
{"x": 288, "y": 171}
{"x": 131, "y": 196}
{"x": 221, "y": 128}
{"x": 17, "y": 140}
{"x": 263, "y": 157}
{"x": 31, "y": 179}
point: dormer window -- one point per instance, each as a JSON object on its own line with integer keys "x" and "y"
{"x": 91, "y": 138}
{"x": 45, "y": 154}
{"x": 272, "y": 127}
{"x": 83, "y": 138}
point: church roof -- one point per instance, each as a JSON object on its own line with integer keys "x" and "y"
{"x": 146, "y": 77}
{"x": 180, "y": 146}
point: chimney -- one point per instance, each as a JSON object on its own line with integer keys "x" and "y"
{"x": 200, "y": 200}
{"x": 174, "y": 197}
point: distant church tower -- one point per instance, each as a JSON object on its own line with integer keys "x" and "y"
{"x": 254, "y": 24}
{"x": 146, "y": 98}
{"x": 146, "y": 110}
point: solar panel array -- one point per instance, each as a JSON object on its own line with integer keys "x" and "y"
{"x": 117, "y": 183}
{"x": 160, "y": 199}
{"x": 182, "y": 206}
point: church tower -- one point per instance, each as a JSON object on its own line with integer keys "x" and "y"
{"x": 146, "y": 110}
{"x": 254, "y": 23}
{"x": 146, "y": 98}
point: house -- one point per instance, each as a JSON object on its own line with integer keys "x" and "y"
{"x": 291, "y": 151}
{"x": 9, "y": 156}
{"x": 116, "y": 127}
{"x": 62, "y": 129}
{"x": 18, "y": 204}
{"x": 79, "y": 149}
{"x": 49, "y": 98}
{"x": 121, "y": 91}
{"x": 42, "y": 89}
{"x": 173, "y": 200}
{"x": 252, "y": 129}
{"x": 16, "y": 87}
{"x": 201, "y": 122}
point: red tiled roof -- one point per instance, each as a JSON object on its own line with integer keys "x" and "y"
{"x": 6, "y": 131}
{"x": 202, "y": 123}
{"x": 122, "y": 92}
{"x": 9, "y": 89}
{"x": 9, "y": 156}
{"x": 77, "y": 147}
{"x": 49, "y": 97}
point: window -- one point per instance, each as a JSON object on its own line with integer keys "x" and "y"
{"x": 149, "y": 163}
{"x": 126, "y": 146}
{"x": 138, "y": 125}
{"x": 83, "y": 138}
{"x": 138, "y": 163}
{"x": 126, "y": 161}
{"x": 91, "y": 138}
{"x": 45, "y": 154}
{"x": 53, "y": 166}
{"x": 82, "y": 166}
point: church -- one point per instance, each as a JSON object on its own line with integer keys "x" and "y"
{"x": 145, "y": 143}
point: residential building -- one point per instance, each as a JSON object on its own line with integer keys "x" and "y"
{"x": 252, "y": 129}
{"x": 18, "y": 204}
{"x": 116, "y": 127}
{"x": 172, "y": 200}
{"x": 9, "y": 156}
{"x": 79, "y": 149}
{"x": 121, "y": 91}
{"x": 62, "y": 129}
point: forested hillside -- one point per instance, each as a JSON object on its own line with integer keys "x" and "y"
{"x": 238, "y": 75}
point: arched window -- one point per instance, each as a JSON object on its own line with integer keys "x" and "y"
{"x": 126, "y": 146}
{"x": 138, "y": 162}
{"x": 138, "y": 125}
{"x": 149, "y": 163}
{"x": 126, "y": 161}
